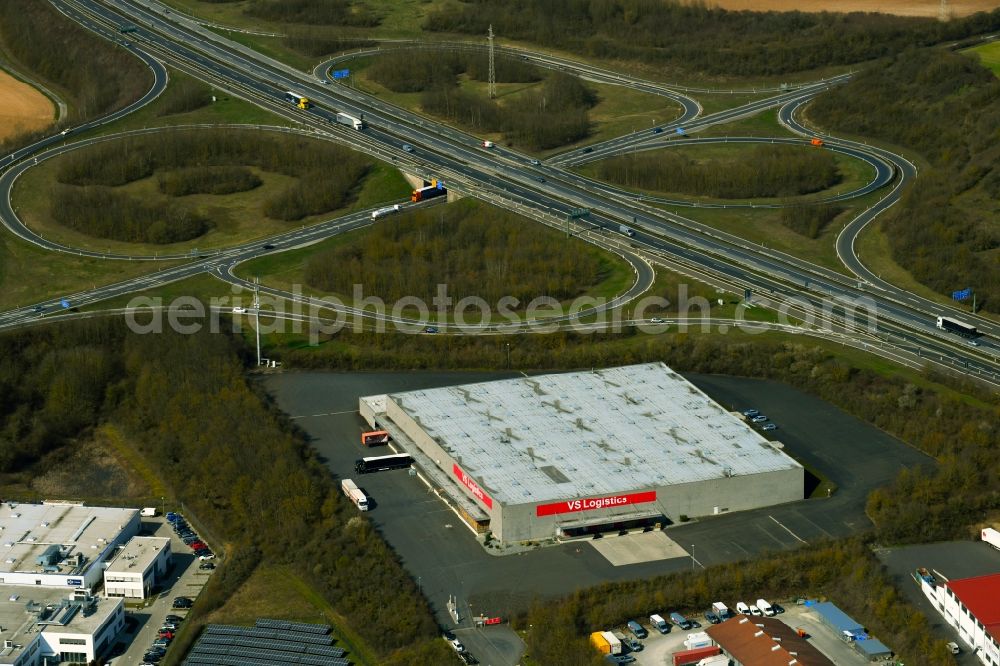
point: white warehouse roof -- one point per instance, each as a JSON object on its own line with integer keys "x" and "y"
{"x": 589, "y": 433}
{"x": 137, "y": 554}
{"x": 27, "y": 531}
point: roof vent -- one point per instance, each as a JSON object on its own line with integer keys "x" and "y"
{"x": 775, "y": 648}
{"x": 758, "y": 634}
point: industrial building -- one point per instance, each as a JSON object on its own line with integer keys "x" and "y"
{"x": 850, "y": 631}
{"x": 56, "y": 544}
{"x": 764, "y": 641}
{"x": 565, "y": 455}
{"x": 141, "y": 566}
{"x": 44, "y": 625}
{"x": 972, "y": 607}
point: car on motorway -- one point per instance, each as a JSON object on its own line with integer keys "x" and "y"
{"x": 760, "y": 418}
{"x": 430, "y": 329}
{"x": 407, "y": 147}
{"x": 535, "y": 163}
{"x": 972, "y": 342}
{"x": 540, "y": 179}
{"x": 239, "y": 310}
{"x": 267, "y": 246}
{"x": 657, "y": 130}
{"x": 588, "y": 149}
{"x": 768, "y": 427}
{"x": 655, "y": 320}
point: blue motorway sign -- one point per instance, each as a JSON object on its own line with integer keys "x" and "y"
{"x": 961, "y": 295}
{"x": 341, "y": 73}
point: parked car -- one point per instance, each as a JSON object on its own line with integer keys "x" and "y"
{"x": 207, "y": 556}
{"x": 712, "y": 617}
{"x": 750, "y": 413}
{"x": 182, "y": 602}
{"x": 455, "y": 644}
{"x": 174, "y": 618}
{"x": 633, "y": 644}
{"x": 169, "y": 626}
{"x": 165, "y": 633}
{"x": 171, "y": 516}
{"x": 760, "y": 418}
{"x": 768, "y": 427}
{"x": 206, "y": 566}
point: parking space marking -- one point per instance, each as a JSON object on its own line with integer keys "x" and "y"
{"x": 309, "y": 416}
{"x": 786, "y": 529}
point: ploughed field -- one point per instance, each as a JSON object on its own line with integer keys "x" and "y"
{"x": 930, "y": 8}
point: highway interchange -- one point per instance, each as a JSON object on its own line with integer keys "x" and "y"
{"x": 545, "y": 191}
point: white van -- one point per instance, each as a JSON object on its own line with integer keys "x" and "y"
{"x": 148, "y": 512}
{"x": 766, "y": 608}
{"x": 756, "y": 612}
{"x": 742, "y": 608}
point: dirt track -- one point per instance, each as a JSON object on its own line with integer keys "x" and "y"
{"x": 929, "y": 8}
{"x": 22, "y": 108}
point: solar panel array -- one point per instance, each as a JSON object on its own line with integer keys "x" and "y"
{"x": 268, "y": 643}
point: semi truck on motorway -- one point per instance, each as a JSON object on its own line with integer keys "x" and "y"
{"x": 435, "y": 189}
{"x": 351, "y": 121}
{"x": 298, "y": 100}
{"x": 992, "y": 537}
{"x": 955, "y": 326}
{"x": 354, "y": 494}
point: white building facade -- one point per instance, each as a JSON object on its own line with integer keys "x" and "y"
{"x": 141, "y": 566}
{"x": 972, "y": 607}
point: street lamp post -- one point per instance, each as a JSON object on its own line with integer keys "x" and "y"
{"x": 692, "y": 557}
{"x": 508, "y": 356}
{"x": 163, "y": 506}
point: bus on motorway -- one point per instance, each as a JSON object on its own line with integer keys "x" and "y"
{"x": 382, "y": 463}
{"x": 298, "y": 100}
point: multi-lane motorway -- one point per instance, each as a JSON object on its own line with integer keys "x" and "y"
{"x": 544, "y": 190}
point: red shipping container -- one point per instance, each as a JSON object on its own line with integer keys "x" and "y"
{"x": 695, "y": 655}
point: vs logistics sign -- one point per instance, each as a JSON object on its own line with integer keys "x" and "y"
{"x": 593, "y": 503}
{"x": 473, "y": 487}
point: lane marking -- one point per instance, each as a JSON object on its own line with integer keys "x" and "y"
{"x": 787, "y": 530}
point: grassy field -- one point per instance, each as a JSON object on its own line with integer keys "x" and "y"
{"x": 763, "y": 226}
{"x": 277, "y": 592}
{"x": 855, "y": 173}
{"x": 236, "y": 218}
{"x": 989, "y": 55}
{"x": 764, "y": 123}
{"x": 226, "y": 110}
{"x": 29, "y": 274}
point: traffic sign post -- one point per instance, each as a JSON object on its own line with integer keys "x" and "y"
{"x": 341, "y": 73}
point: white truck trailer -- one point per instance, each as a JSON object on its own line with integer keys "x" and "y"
{"x": 351, "y": 121}
{"x": 354, "y": 494}
{"x": 992, "y": 537}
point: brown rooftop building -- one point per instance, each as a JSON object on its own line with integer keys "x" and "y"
{"x": 764, "y": 641}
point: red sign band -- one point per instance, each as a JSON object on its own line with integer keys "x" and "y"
{"x": 594, "y": 503}
{"x": 473, "y": 487}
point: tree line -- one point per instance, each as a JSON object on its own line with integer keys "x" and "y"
{"x": 225, "y": 452}
{"x": 186, "y": 162}
{"x": 694, "y": 37}
{"x": 765, "y": 171}
{"x": 551, "y": 115}
{"x": 475, "y": 250}
{"x": 945, "y": 106}
{"x": 313, "y": 12}
{"x": 95, "y": 76}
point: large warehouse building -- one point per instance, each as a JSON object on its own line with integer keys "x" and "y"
{"x": 566, "y": 455}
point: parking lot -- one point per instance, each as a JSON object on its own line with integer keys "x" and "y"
{"x": 185, "y": 579}
{"x": 445, "y": 559}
